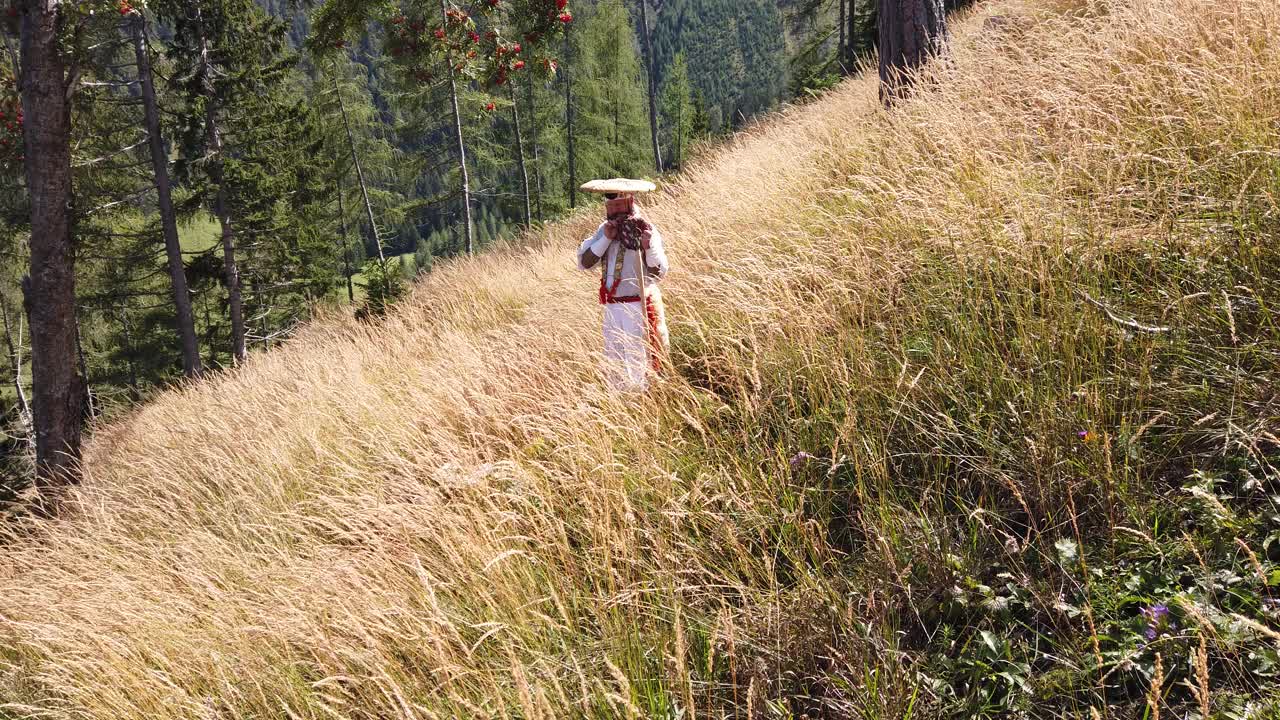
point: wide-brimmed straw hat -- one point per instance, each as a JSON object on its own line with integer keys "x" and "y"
{"x": 619, "y": 186}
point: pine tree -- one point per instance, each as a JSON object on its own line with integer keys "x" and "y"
{"x": 475, "y": 43}
{"x": 735, "y": 51}
{"x": 354, "y": 155}
{"x": 535, "y": 140}
{"x": 127, "y": 307}
{"x": 569, "y": 112}
{"x": 354, "y": 128}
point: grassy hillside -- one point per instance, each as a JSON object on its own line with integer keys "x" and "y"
{"x": 973, "y": 416}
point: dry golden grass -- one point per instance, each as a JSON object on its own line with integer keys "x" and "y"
{"x": 449, "y": 516}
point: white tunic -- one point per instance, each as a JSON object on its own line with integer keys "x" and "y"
{"x": 627, "y": 362}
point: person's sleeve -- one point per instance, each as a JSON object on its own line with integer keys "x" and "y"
{"x": 656, "y": 257}
{"x": 592, "y": 249}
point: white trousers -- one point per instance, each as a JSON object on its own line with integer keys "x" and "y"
{"x": 628, "y": 365}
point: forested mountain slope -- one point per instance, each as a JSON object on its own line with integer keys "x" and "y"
{"x": 736, "y": 51}
{"x": 972, "y": 414}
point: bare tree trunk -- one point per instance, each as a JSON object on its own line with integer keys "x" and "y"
{"x": 239, "y": 351}
{"x": 524, "y": 172}
{"x": 462, "y": 147}
{"x": 537, "y": 161}
{"x": 364, "y": 186}
{"x": 912, "y": 32}
{"x": 211, "y": 334}
{"x": 679, "y": 133}
{"x": 132, "y": 382}
{"x": 50, "y": 288}
{"x": 90, "y": 410}
{"x": 15, "y": 357}
{"x": 842, "y": 49}
{"x": 851, "y": 55}
{"x": 568, "y": 119}
{"x": 346, "y": 244}
{"x": 168, "y": 219}
{"x": 653, "y": 81}
{"x": 263, "y": 330}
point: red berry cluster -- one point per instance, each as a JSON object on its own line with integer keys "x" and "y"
{"x": 562, "y": 8}
{"x": 488, "y": 56}
{"x": 11, "y": 144}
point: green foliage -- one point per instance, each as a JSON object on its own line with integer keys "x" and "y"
{"x": 611, "y": 105}
{"x": 736, "y": 49}
{"x": 384, "y": 283}
{"x": 678, "y": 113}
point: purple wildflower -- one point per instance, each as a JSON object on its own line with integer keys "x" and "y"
{"x": 800, "y": 459}
{"x": 1159, "y": 622}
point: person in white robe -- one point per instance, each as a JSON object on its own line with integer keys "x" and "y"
{"x": 635, "y": 332}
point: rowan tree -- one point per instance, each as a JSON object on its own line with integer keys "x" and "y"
{"x": 481, "y": 43}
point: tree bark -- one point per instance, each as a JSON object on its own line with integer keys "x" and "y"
{"x": 462, "y": 147}
{"x": 912, "y": 32}
{"x": 524, "y": 172}
{"x": 653, "y": 82}
{"x": 537, "y": 161}
{"x": 851, "y": 35}
{"x": 50, "y": 289}
{"x": 168, "y": 218}
{"x": 568, "y": 119}
{"x": 364, "y": 186}
{"x": 235, "y": 301}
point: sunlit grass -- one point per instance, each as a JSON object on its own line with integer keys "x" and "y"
{"x": 895, "y": 415}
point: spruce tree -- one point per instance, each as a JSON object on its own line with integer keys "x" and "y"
{"x": 735, "y": 50}
{"x": 185, "y": 319}
{"x": 230, "y": 71}
{"x": 342, "y": 96}
{"x": 651, "y": 82}
{"x": 678, "y": 111}
{"x": 613, "y": 131}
